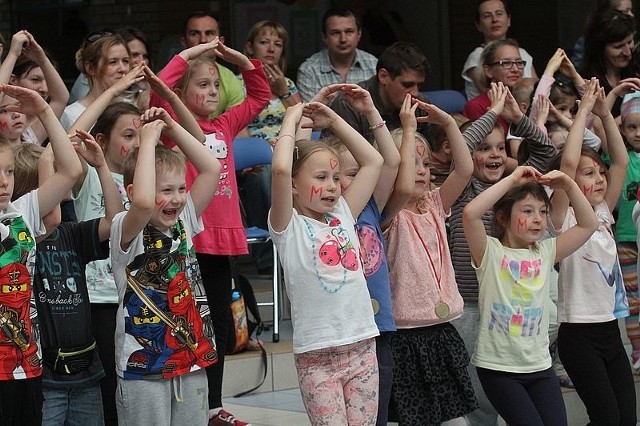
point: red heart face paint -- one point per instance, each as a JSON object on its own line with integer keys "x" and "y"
{"x": 420, "y": 149}
{"x": 137, "y": 123}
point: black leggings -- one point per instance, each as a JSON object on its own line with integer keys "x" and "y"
{"x": 103, "y": 324}
{"x": 525, "y": 399}
{"x": 596, "y": 361}
{"x": 216, "y": 278}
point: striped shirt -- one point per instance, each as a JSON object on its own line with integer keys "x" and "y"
{"x": 541, "y": 154}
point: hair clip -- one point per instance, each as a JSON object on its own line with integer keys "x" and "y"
{"x": 297, "y": 156}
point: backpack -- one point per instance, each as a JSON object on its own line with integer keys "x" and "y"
{"x": 246, "y": 321}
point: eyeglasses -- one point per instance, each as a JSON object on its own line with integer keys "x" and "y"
{"x": 507, "y": 64}
{"x": 97, "y": 35}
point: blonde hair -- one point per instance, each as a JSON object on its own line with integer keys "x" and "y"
{"x": 166, "y": 160}
{"x": 91, "y": 53}
{"x": 274, "y": 27}
{"x": 25, "y": 159}
{"x": 182, "y": 83}
{"x": 305, "y": 149}
{"x": 396, "y": 135}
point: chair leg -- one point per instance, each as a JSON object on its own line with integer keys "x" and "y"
{"x": 276, "y": 295}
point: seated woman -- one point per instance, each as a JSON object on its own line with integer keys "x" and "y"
{"x": 493, "y": 21}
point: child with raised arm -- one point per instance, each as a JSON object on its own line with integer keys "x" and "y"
{"x": 195, "y": 78}
{"x": 164, "y": 337}
{"x": 27, "y": 65}
{"x": 513, "y": 266}
{"x": 72, "y": 368}
{"x": 20, "y": 370}
{"x": 312, "y": 223}
{"x": 370, "y": 233}
{"x": 487, "y": 145}
{"x": 591, "y": 290}
{"x": 431, "y": 381}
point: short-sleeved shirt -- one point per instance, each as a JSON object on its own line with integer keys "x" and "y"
{"x": 62, "y": 298}
{"x": 20, "y": 350}
{"x": 317, "y": 72}
{"x": 330, "y": 303}
{"x": 163, "y": 325}
{"x": 514, "y": 291}
{"x": 590, "y": 285}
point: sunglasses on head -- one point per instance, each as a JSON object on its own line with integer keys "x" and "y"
{"x": 96, "y": 35}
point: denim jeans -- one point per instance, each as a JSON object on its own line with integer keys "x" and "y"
{"x": 72, "y": 406}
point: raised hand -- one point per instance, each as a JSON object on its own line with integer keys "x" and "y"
{"x": 328, "y": 93}
{"x": 358, "y": 97}
{"x": 408, "y": 113}
{"x": 195, "y": 51}
{"x": 30, "y": 101}
{"x": 151, "y": 131}
{"x": 589, "y": 98}
{"x": 33, "y": 50}
{"x": 542, "y": 106}
{"x": 321, "y": 115}
{"x": 19, "y": 42}
{"x": 135, "y": 75}
{"x": 567, "y": 68}
{"x": 556, "y": 179}
{"x": 434, "y": 114}
{"x": 89, "y": 149}
{"x": 232, "y": 56}
{"x": 497, "y": 95}
{"x": 524, "y": 174}
{"x": 555, "y": 62}
{"x": 511, "y": 111}
{"x": 600, "y": 107}
{"x": 158, "y": 114}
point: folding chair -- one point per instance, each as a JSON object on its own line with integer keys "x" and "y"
{"x": 251, "y": 152}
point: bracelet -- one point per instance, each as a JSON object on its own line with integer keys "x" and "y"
{"x": 277, "y": 138}
{"x": 286, "y": 95}
{"x": 377, "y": 126}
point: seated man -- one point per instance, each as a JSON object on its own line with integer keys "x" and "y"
{"x": 341, "y": 61}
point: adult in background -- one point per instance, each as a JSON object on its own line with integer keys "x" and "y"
{"x": 199, "y": 28}
{"x": 266, "y": 41}
{"x": 493, "y": 20}
{"x": 608, "y": 44}
{"x": 501, "y": 63}
{"x": 341, "y": 61}
{"x": 401, "y": 69}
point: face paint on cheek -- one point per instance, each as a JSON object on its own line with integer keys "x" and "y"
{"x": 124, "y": 151}
{"x": 480, "y": 161}
{"x": 587, "y": 189}
{"x": 160, "y": 202}
{"x": 523, "y": 224}
{"x": 3, "y": 125}
{"x": 315, "y": 191}
{"x": 199, "y": 99}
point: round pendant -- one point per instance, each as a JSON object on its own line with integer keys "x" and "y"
{"x": 442, "y": 310}
{"x": 375, "y": 305}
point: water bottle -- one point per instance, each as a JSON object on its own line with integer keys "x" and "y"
{"x": 235, "y": 295}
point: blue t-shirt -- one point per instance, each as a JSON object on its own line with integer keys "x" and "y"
{"x": 374, "y": 262}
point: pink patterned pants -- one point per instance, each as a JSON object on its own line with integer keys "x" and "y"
{"x": 339, "y": 385}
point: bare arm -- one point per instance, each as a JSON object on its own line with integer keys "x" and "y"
{"x": 142, "y": 192}
{"x": 405, "y": 179}
{"x": 281, "y": 163}
{"x": 206, "y": 182}
{"x": 184, "y": 116}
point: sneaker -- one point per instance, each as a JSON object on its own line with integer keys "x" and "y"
{"x": 635, "y": 361}
{"x": 224, "y": 418}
